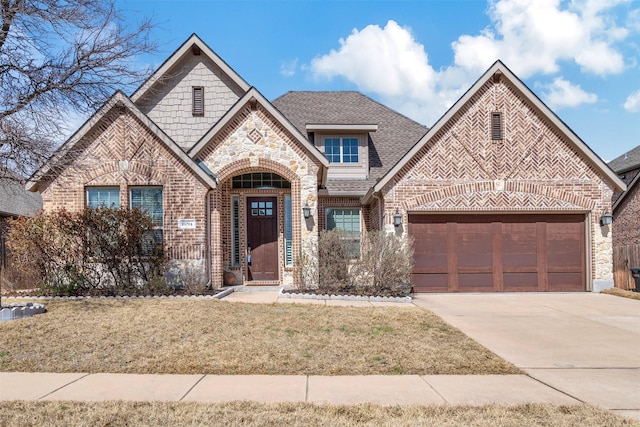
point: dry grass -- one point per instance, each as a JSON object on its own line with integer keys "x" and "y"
{"x": 622, "y": 293}
{"x": 299, "y": 414}
{"x": 216, "y": 337}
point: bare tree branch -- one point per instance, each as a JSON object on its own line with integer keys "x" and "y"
{"x": 57, "y": 58}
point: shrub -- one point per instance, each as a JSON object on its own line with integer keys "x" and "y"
{"x": 385, "y": 264}
{"x": 100, "y": 250}
{"x": 382, "y": 269}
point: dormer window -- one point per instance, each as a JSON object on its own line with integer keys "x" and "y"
{"x": 198, "y": 101}
{"x": 341, "y": 150}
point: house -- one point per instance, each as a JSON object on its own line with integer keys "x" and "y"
{"x": 499, "y": 195}
{"x": 14, "y": 202}
{"x": 626, "y": 225}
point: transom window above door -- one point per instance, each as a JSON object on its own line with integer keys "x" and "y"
{"x": 341, "y": 150}
{"x": 260, "y": 180}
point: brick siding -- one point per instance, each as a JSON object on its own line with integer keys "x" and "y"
{"x": 533, "y": 168}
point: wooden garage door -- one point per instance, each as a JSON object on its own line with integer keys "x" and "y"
{"x": 495, "y": 253}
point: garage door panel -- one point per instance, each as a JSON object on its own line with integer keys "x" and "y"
{"x": 474, "y": 253}
{"x": 565, "y": 282}
{"x": 430, "y": 282}
{"x": 475, "y": 282}
{"x": 520, "y": 281}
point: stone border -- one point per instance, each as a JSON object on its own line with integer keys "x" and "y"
{"x": 406, "y": 299}
{"x": 219, "y": 295}
{"x": 19, "y": 311}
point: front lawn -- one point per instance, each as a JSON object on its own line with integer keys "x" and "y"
{"x": 216, "y": 337}
{"x": 38, "y": 414}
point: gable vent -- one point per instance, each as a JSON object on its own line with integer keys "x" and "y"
{"x": 496, "y": 126}
{"x": 198, "y": 101}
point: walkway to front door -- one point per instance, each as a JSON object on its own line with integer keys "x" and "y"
{"x": 262, "y": 238}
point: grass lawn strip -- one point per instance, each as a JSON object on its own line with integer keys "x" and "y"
{"x": 622, "y": 293}
{"x": 217, "y": 337}
{"x": 300, "y": 414}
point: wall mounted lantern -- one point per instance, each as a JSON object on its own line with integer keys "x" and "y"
{"x": 397, "y": 219}
{"x": 306, "y": 211}
{"x": 606, "y": 219}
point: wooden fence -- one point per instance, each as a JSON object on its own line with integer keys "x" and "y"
{"x": 624, "y": 258}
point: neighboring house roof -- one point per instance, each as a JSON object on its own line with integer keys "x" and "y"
{"x": 16, "y": 201}
{"x": 627, "y": 161}
{"x": 193, "y": 43}
{"x": 618, "y": 201}
{"x": 47, "y": 172}
{"x": 254, "y": 94}
{"x": 507, "y": 74}
{"x": 395, "y": 133}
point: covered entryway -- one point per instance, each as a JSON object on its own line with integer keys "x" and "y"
{"x": 497, "y": 252}
{"x": 262, "y": 238}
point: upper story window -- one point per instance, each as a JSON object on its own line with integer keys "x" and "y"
{"x": 341, "y": 150}
{"x": 496, "y": 126}
{"x": 198, "y": 101}
{"x": 103, "y": 197}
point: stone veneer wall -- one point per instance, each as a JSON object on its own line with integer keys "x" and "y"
{"x": 169, "y": 102}
{"x": 122, "y": 152}
{"x": 532, "y": 169}
{"x": 254, "y": 141}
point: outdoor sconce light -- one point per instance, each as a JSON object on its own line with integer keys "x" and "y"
{"x": 397, "y": 219}
{"x": 306, "y": 211}
{"x": 606, "y": 219}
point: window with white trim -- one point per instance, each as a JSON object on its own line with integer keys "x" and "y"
{"x": 103, "y": 197}
{"x": 149, "y": 200}
{"x": 341, "y": 150}
{"x": 346, "y": 220}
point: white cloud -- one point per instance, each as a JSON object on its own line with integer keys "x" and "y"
{"x": 562, "y": 93}
{"x": 391, "y": 63}
{"x": 632, "y": 104}
{"x": 534, "y": 36}
{"x": 288, "y": 68}
{"x": 384, "y": 60}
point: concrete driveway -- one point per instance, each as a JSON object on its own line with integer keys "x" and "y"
{"x": 586, "y": 345}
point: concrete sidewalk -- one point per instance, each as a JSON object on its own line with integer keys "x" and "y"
{"x": 386, "y": 390}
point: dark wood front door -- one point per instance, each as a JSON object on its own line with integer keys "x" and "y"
{"x": 262, "y": 238}
{"x": 497, "y": 253}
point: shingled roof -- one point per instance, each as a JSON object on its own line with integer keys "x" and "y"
{"x": 396, "y": 133}
{"x": 627, "y": 161}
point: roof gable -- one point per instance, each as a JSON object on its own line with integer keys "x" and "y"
{"x": 499, "y": 69}
{"x": 119, "y": 99}
{"x": 251, "y": 96}
{"x": 192, "y": 44}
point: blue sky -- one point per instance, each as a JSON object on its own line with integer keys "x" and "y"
{"x": 581, "y": 57}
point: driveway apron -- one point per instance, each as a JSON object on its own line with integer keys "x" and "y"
{"x": 586, "y": 345}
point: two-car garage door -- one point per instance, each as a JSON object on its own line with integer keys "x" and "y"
{"x": 495, "y": 253}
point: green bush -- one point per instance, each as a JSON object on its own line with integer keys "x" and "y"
{"x": 101, "y": 250}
